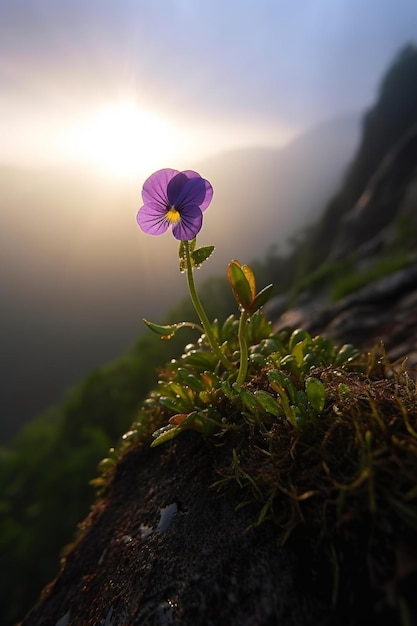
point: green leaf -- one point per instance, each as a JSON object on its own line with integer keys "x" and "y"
{"x": 229, "y": 329}
{"x": 277, "y": 378}
{"x": 201, "y": 360}
{"x": 316, "y": 393}
{"x": 344, "y": 391}
{"x": 209, "y": 420}
{"x": 206, "y": 421}
{"x": 168, "y": 331}
{"x": 258, "y": 358}
{"x": 346, "y": 353}
{"x": 166, "y": 433}
{"x": 288, "y": 362}
{"x": 226, "y": 388}
{"x": 200, "y": 255}
{"x": 299, "y": 351}
{"x": 259, "y": 328}
{"x": 189, "y": 379}
{"x": 174, "y": 404}
{"x": 310, "y": 361}
{"x": 181, "y": 392}
{"x": 297, "y": 336}
{"x": 248, "y": 400}
{"x": 240, "y": 285}
{"x": 261, "y": 298}
{"x": 301, "y": 399}
{"x": 210, "y": 380}
{"x": 165, "y": 332}
{"x": 267, "y": 402}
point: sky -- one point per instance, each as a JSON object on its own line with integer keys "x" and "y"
{"x": 131, "y": 85}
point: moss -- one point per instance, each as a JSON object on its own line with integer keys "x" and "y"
{"x": 323, "y": 455}
{"x": 352, "y": 280}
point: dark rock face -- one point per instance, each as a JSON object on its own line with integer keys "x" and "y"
{"x": 384, "y": 311}
{"x": 133, "y": 567}
{"x": 389, "y": 196}
{"x": 164, "y": 547}
{"x": 381, "y": 225}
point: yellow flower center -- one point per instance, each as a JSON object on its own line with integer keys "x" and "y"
{"x": 173, "y": 216}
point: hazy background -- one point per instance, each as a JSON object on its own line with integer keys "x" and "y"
{"x": 263, "y": 98}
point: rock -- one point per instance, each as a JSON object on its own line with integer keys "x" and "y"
{"x": 367, "y": 227}
{"x": 202, "y": 566}
{"x": 384, "y": 312}
{"x": 165, "y": 547}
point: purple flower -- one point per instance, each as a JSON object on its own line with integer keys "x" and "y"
{"x": 177, "y": 199}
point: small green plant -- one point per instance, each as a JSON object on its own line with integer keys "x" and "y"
{"x": 222, "y": 368}
{"x": 178, "y": 199}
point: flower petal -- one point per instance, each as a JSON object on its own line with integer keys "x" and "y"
{"x": 190, "y": 224}
{"x": 209, "y": 189}
{"x": 155, "y": 187}
{"x": 152, "y": 219}
{"x": 189, "y": 187}
{"x": 209, "y": 195}
{"x": 192, "y": 193}
{"x": 175, "y": 187}
{"x": 182, "y": 191}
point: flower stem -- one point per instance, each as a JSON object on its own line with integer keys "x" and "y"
{"x": 200, "y": 310}
{"x": 243, "y": 346}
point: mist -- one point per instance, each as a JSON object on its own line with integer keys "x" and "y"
{"x": 77, "y": 276}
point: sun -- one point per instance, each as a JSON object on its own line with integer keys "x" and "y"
{"x": 123, "y": 140}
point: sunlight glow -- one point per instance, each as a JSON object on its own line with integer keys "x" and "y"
{"x": 123, "y": 140}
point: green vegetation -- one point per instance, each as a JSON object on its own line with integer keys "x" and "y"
{"x": 349, "y": 282}
{"x": 346, "y": 276}
{"x": 322, "y": 437}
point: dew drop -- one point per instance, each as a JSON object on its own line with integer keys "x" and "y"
{"x": 127, "y": 539}
{"x": 145, "y": 531}
{"x": 166, "y": 517}
{"x": 64, "y": 620}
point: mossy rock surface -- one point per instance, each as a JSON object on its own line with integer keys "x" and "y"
{"x": 163, "y": 546}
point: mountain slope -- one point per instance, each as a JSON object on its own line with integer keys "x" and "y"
{"x": 265, "y": 196}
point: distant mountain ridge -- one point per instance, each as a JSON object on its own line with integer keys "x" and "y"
{"x": 266, "y": 195}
